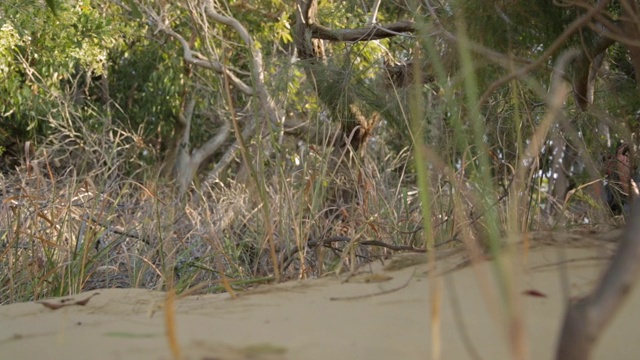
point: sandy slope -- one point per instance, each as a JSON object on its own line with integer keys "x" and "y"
{"x": 315, "y": 319}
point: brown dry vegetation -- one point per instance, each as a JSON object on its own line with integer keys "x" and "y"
{"x": 68, "y": 230}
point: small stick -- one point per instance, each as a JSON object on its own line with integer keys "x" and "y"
{"x": 357, "y": 297}
{"x": 66, "y": 302}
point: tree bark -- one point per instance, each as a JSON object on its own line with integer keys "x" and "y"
{"x": 585, "y": 71}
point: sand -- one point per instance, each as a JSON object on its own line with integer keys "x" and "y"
{"x": 376, "y": 314}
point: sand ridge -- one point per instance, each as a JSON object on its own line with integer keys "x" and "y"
{"x": 377, "y": 314}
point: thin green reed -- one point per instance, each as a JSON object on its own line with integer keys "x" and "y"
{"x": 416, "y": 107}
{"x": 489, "y": 207}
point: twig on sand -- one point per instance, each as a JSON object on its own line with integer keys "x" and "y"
{"x": 289, "y": 258}
{"x": 383, "y": 292}
{"x": 66, "y": 302}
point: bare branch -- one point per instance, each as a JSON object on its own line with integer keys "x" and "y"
{"x": 229, "y": 155}
{"x": 306, "y": 11}
{"x": 586, "y": 68}
{"x": 374, "y": 12}
{"x": 257, "y": 68}
{"x": 195, "y": 58}
{"x": 212, "y": 145}
{"x": 373, "y": 32}
{"x": 185, "y": 119}
{"x": 623, "y": 39}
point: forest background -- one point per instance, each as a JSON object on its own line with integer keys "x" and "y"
{"x": 220, "y": 144}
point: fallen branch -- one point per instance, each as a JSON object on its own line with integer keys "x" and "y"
{"x": 66, "y": 302}
{"x": 289, "y": 258}
{"x": 383, "y": 292}
{"x": 586, "y": 318}
{"x": 333, "y": 239}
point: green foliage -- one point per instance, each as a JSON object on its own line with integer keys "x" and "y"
{"x": 48, "y": 58}
{"x": 148, "y": 84}
{"x": 519, "y": 27}
{"x": 52, "y": 6}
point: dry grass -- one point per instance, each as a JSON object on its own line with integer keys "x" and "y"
{"x": 83, "y": 212}
{"x": 85, "y": 209}
{"x": 66, "y": 230}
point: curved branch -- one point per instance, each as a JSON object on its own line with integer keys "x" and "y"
{"x": 195, "y": 58}
{"x": 212, "y": 145}
{"x": 230, "y": 154}
{"x": 257, "y": 68}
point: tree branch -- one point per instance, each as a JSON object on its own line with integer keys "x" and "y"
{"x": 195, "y": 58}
{"x": 586, "y": 319}
{"x": 306, "y": 11}
{"x": 183, "y": 147}
{"x": 374, "y": 32}
{"x": 257, "y": 68}
{"x": 586, "y": 68}
{"x": 230, "y": 154}
{"x": 374, "y": 12}
{"x": 212, "y": 145}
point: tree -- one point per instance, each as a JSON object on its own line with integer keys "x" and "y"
{"x": 56, "y": 69}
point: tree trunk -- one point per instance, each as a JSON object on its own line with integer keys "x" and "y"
{"x": 564, "y": 155}
{"x": 182, "y": 161}
{"x": 588, "y": 317}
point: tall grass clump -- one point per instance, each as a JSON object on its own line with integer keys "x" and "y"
{"x": 488, "y": 174}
